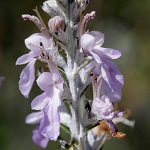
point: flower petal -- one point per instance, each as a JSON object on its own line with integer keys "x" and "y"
{"x": 27, "y": 57}
{"x": 96, "y": 56}
{"x": 87, "y": 42}
{"x": 45, "y": 80}
{"x": 27, "y": 78}
{"x": 34, "y": 41}
{"x": 102, "y": 107}
{"x": 95, "y": 108}
{"x": 39, "y": 139}
{"x": 58, "y": 81}
{"x": 113, "y": 80}
{"x": 99, "y": 37}
{"x": 112, "y": 126}
{"x": 34, "y": 117}
{"x": 108, "y": 53}
{"x": 42, "y": 100}
{"x": 50, "y": 124}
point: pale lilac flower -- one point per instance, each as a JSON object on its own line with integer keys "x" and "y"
{"x": 91, "y": 44}
{"x": 27, "y": 77}
{"x": 102, "y": 108}
{"x": 37, "y": 137}
{"x": 112, "y": 78}
{"x": 49, "y": 101}
{"x": 34, "y": 118}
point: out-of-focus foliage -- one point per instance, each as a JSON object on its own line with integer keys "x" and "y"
{"x": 126, "y": 25}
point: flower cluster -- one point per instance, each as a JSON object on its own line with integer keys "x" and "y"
{"x": 73, "y": 59}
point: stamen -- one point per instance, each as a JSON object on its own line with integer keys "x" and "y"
{"x": 41, "y": 44}
{"x": 91, "y": 74}
{"x": 43, "y": 50}
{"x": 47, "y": 57}
{"x": 55, "y": 82}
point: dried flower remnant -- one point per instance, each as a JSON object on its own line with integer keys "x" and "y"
{"x": 104, "y": 128}
{"x": 75, "y": 59}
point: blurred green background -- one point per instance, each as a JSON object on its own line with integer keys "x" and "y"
{"x": 126, "y": 25}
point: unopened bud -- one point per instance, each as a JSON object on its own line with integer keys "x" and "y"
{"x": 56, "y": 24}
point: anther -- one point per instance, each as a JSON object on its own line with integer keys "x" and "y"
{"x": 91, "y": 74}
{"x": 41, "y": 44}
{"x": 47, "y": 57}
{"x": 55, "y": 82}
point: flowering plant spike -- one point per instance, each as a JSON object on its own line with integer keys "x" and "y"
{"x": 73, "y": 58}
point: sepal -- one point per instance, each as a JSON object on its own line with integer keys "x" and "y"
{"x": 95, "y": 142}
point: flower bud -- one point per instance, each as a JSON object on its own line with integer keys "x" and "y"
{"x": 56, "y": 24}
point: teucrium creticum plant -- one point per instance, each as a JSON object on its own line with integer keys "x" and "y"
{"x": 74, "y": 58}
